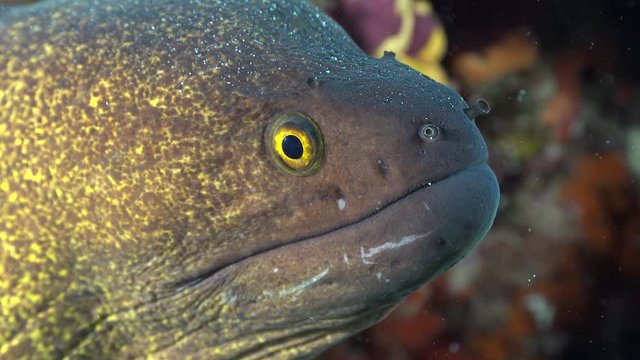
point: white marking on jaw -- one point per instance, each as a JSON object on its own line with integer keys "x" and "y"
{"x": 345, "y": 258}
{"x": 341, "y": 204}
{"x": 228, "y": 299}
{"x": 426, "y": 206}
{"x": 298, "y": 289}
{"x": 366, "y": 255}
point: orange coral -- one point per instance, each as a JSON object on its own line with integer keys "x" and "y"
{"x": 515, "y": 52}
{"x": 410, "y": 326}
{"x": 562, "y": 108}
{"x": 508, "y": 340}
{"x": 600, "y": 190}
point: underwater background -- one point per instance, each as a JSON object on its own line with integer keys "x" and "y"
{"x": 558, "y": 276}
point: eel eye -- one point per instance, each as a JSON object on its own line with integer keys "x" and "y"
{"x": 428, "y": 132}
{"x": 295, "y": 143}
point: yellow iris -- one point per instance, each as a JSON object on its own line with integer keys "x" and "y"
{"x": 307, "y": 147}
{"x": 295, "y": 143}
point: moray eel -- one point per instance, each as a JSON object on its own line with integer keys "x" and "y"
{"x": 219, "y": 179}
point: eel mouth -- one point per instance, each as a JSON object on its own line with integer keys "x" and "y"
{"x": 437, "y": 210}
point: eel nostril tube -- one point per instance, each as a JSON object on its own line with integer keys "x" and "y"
{"x": 480, "y": 107}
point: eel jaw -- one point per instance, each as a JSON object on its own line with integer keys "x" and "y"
{"x": 300, "y": 298}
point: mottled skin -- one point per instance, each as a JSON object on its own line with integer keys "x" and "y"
{"x": 141, "y": 215}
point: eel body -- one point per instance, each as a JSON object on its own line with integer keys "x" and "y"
{"x": 218, "y": 179}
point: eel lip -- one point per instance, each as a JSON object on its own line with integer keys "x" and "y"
{"x": 440, "y": 221}
{"x": 379, "y": 259}
{"x": 432, "y": 228}
{"x": 421, "y": 235}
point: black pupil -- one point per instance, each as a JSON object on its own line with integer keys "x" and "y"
{"x": 292, "y": 147}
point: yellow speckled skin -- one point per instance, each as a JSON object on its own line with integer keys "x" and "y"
{"x": 140, "y": 213}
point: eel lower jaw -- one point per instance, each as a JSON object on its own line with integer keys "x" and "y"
{"x": 302, "y": 297}
{"x": 188, "y": 282}
{"x": 381, "y": 258}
